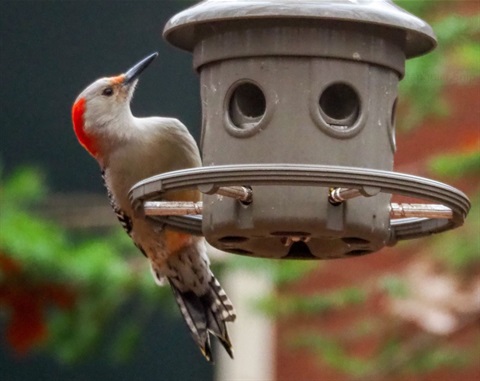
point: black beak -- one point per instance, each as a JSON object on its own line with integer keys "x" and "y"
{"x": 137, "y": 69}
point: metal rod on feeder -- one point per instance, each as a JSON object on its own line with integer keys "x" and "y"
{"x": 172, "y": 208}
{"x": 183, "y": 208}
{"x": 339, "y": 195}
{"x": 240, "y": 193}
{"x": 420, "y": 210}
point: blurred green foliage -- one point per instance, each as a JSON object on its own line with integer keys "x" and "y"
{"x": 456, "y": 60}
{"x": 279, "y": 271}
{"x": 313, "y": 304}
{"x": 456, "y": 165}
{"x": 331, "y": 352}
{"x": 97, "y": 277}
{"x": 460, "y": 251}
{"x": 394, "y": 286}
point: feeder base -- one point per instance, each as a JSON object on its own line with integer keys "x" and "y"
{"x": 350, "y": 182}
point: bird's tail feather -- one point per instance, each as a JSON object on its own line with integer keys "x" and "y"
{"x": 207, "y": 314}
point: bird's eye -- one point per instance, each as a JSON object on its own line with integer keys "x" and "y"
{"x": 107, "y": 92}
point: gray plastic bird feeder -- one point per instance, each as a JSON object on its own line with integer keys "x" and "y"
{"x": 298, "y": 135}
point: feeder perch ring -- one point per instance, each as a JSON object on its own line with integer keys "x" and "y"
{"x": 367, "y": 181}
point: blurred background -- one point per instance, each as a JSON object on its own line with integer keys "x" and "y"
{"x": 77, "y": 300}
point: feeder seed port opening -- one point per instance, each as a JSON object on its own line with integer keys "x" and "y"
{"x": 448, "y": 210}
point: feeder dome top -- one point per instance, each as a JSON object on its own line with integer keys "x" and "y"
{"x": 188, "y": 27}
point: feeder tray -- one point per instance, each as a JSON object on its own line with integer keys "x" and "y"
{"x": 344, "y": 184}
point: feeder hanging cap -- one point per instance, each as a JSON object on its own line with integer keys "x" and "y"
{"x": 187, "y": 28}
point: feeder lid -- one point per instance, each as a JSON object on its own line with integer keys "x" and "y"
{"x": 187, "y": 28}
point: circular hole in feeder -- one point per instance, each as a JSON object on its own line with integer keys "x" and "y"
{"x": 392, "y": 137}
{"x": 356, "y": 253}
{"x": 340, "y": 105}
{"x": 299, "y": 250}
{"x": 247, "y": 105}
{"x": 394, "y": 113}
{"x": 355, "y": 241}
{"x": 239, "y": 251}
{"x": 232, "y": 239}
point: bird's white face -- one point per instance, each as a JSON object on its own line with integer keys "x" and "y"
{"x": 106, "y": 100}
{"x": 101, "y": 110}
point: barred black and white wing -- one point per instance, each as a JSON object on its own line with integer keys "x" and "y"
{"x": 122, "y": 217}
{"x": 206, "y": 314}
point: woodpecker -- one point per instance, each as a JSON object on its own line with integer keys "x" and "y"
{"x": 129, "y": 149}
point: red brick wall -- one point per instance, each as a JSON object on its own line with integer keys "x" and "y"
{"x": 461, "y": 128}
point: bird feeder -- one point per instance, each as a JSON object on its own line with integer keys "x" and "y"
{"x": 298, "y": 136}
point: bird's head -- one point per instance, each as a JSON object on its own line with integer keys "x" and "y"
{"x": 104, "y": 104}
